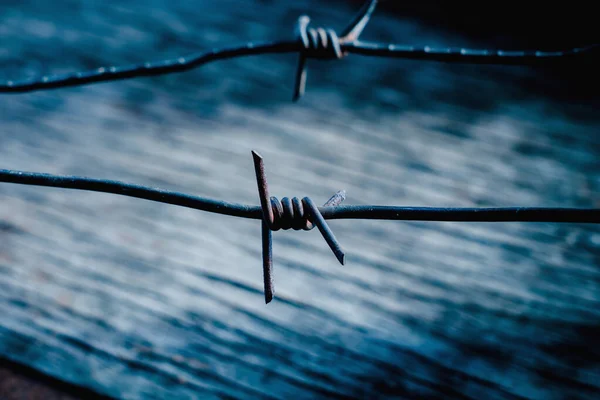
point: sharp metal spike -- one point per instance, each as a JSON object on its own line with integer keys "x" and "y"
{"x": 267, "y": 257}
{"x": 358, "y": 24}
{"x": 328, "y": 235}
{"x": 267, "y": 242}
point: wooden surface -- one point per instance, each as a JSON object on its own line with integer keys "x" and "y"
{"x": 19, "y": 381}
{"x": 135, "y": 299}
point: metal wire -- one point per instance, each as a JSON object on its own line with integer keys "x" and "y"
{"x": 294, "y": 213}
{"x": 310, "y": 43}
{"x": 303, "y": 214}
{"x": 398, "y": 213}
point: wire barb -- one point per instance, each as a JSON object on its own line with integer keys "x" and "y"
{"x": 324, "y": 44}
{"x": 358, "y": 24}
{"x": 328, "y": 235}
{"x": 289, "y": 214}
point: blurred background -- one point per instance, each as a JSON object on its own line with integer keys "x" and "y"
{"x": 133, "y": 299}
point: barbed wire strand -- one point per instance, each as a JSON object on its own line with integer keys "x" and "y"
{"x": 315, "y": 43}
{"x": 294, "y": 213}
{"x": 303, "y": 214}
{"x": 400, "y": 213}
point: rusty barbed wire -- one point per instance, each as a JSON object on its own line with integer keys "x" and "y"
{"x": 317, "y": 43}
{"x": 302, "y": 214}
{"x": 295, "y": 213}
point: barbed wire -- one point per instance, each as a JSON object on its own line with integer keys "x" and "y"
{"x": 295, "y": 213}
{"x": 317, "y": 43}
{"x": 302, "y": 214}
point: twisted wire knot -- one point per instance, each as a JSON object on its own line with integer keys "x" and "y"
{"x": 324, "y": 44}
{"x": 289, "y": 214}
{"x": 318, "y": 43}
{"x": 295, "y": 213}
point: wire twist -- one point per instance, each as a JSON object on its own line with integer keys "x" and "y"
{"x": 324, "y": 44}
{"x": 318, "y": 43}
{"x": 293, "y": 213}
{"x": 289, "y": 214}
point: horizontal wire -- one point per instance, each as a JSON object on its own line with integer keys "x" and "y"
{"x": 321, "y": 46}
{"x": 401, "y": 213}
{"x": 131, "y": 190}
{"x": 471, "y": 56}
{"x": 466, "y": 214}
{"x": 182, "y": 64}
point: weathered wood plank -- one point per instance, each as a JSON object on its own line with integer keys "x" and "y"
{"x": 141, "y": 300}
{"x": 18, "y": 381}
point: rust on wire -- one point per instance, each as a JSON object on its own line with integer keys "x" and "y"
{"x": 289, "y": 214}
{"x": 318, "y": 43}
